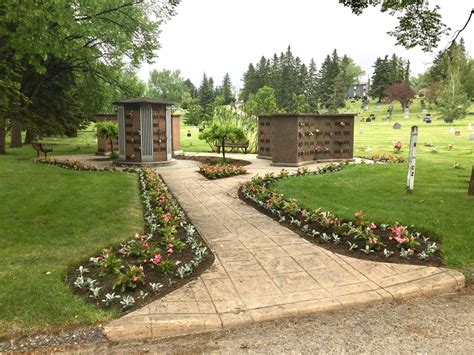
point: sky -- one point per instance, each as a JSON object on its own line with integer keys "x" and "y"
{"x": 223, "y": 36}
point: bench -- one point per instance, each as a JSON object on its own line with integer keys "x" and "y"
{"x": 244, "y": 146}
{"x": 40, "y": 147}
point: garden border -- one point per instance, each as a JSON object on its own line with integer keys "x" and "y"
{"x": 336, "y": 229}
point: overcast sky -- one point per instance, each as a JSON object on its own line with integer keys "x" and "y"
{"x": 220, "y": 36}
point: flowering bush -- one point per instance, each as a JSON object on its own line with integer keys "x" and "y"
{"x": 219, "y": 171}
{"x": 362, "y": 236}
{"x": 167, "y": 252}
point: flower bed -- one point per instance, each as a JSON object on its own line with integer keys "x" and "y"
{"x": 386, "y": 158}
{"x": 358, "y": 237}
{"x": 148, "y": 266}
{"x": 73, "y": 165}
{"x": 219, "y": 171}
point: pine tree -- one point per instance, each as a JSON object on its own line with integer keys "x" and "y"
{"x": 312, "y": 87}
{"x": 206, "y": 95}
{"x": 262, "y": 73}
{"x": 250, "y": 86}
{"x": 226, "y": 90}
{"x": 380, "y": 78}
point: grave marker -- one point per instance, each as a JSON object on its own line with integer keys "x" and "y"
{"x": 469, "y": 127}
{"x": 396, "y": 125}
{"x": 471, "y": 137}
{"x": 457, "y": 133}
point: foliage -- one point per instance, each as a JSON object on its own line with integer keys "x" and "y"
{"x": 401, "y": 92}
{"x": 219, "y": 171}
{"x": 452, "y": 98}
{"x": 167, "y": 85}
{"x": 298, "y": 87}
{"x": 218, "y": 133}
{"x": 418, "y": 23}
{"x": 387, "y": 71}
{"x": 58, "y": 55}
{"x": 262, "y": 102}
{"x": 145, "y": 258}
{"x": 108, "y": 130}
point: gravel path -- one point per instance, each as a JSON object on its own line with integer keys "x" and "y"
{"x": 443, "y": 324}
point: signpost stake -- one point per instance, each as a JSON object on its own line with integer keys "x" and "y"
{"x": 412, "y": 159}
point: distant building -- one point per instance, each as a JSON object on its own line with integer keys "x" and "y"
{"x": 358, "y": 91}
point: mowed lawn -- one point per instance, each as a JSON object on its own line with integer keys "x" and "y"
{"x": 439, "y": 204}
{"x": 50, "y": 219}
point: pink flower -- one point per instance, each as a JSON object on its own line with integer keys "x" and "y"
{"x": 135, "y": 278}
{"x": 373, "y": 226}
{"x": 410, "y": 251}
{"x": 156, "y": 259}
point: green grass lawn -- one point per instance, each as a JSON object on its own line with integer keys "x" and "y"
{"x": 52, "y": 218}
{"x": 439, "y": 204}
{"x": 193, "y": 143}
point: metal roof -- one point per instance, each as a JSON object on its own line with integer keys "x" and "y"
{"x": 142, "y": 100}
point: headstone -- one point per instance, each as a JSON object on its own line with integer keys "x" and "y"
{"x": 469, "y": 127}
{"x": 471, "y": 137}
{"x": 457, "y": 133}
{"x": 361, "y": 131}
{"x": 188, "y": 134}
{"x": 396, "y": 125}
{"x": 451, "y": 130}
{"x": 406, "y": 113}
{"x": 425, "y": 111}
{"x": 428, "y": 121}
{"x": 372, "y": 115}
{"x": 368, "y": 120}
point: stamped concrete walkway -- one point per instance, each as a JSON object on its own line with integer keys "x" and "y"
{"x": 263, "y": 270}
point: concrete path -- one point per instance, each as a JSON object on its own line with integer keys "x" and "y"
{"x": 263, "y": 270}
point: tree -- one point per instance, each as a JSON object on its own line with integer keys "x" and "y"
{"x": 219, "y": 133}
{"x": 432, "y": 92}
{"x": 166, "y": 85}
{"x": 418, "y": 23}
{"x": 52, "y": 45}
{"x": 312, "y": 93}
{"x": 226, "y": 88}
{"x": 108, "y": 130}
{"x": 328, "y": 74}
{"x": 401, "y": 92}
{"x": 263, "y": 102}
{"x": 250, "y": 83}
{"x": 206, "y": 95}
{"x": 452, "y": 99}
{"x": 353, "y": 71}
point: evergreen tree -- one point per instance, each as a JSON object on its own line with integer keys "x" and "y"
{"x": 380, "y": 78}
{"x": 312, "y": 87}
{"x": 206, "y": 96}
{"x": 262, "y": 73}
{"x": 250, "y": 86}
{"x": 227, "y": 93}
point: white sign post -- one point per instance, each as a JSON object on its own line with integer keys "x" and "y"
{"x": 412, "y": 159}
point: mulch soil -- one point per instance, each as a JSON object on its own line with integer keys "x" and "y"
{"x": 342, "y": 247}
{"x": 212, "y": 160}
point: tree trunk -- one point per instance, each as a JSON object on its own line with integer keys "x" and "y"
{"x": 471, "y": 185}
{"x": 111, "y": 146}
{"x": 2, "y": 134}
{"x": 29, "y": 136}
{"x": 16, "y": 135}
{"x": 223, "y": 149}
